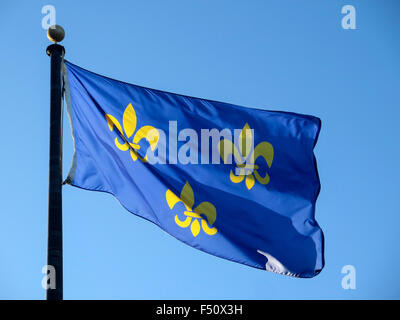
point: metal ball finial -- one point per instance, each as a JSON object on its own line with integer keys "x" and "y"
{"x": 55, "y": 33}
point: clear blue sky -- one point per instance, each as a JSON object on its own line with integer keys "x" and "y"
{"x": 279, "y": 55}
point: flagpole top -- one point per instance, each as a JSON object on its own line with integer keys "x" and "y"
{"x": 55, "y": 33}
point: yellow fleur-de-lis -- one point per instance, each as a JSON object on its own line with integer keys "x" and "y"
{"x": 245, "y": 157}
{"x": 129, "y": 121}
{"x": 193, "y": 216}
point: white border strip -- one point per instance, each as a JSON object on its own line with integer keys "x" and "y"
{"x": 67, "y": 97}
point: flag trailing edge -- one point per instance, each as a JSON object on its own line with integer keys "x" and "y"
{"x": 255, "y": 205}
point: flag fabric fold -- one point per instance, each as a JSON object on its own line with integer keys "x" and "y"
{"x": 239, "y": 183}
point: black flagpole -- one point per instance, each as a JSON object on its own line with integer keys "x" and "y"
{"x": 54, "y": 241}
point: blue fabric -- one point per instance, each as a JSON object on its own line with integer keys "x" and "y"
{"x": 266, "y": 220}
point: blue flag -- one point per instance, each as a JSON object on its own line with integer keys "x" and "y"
{"x": 239, "y": 183}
